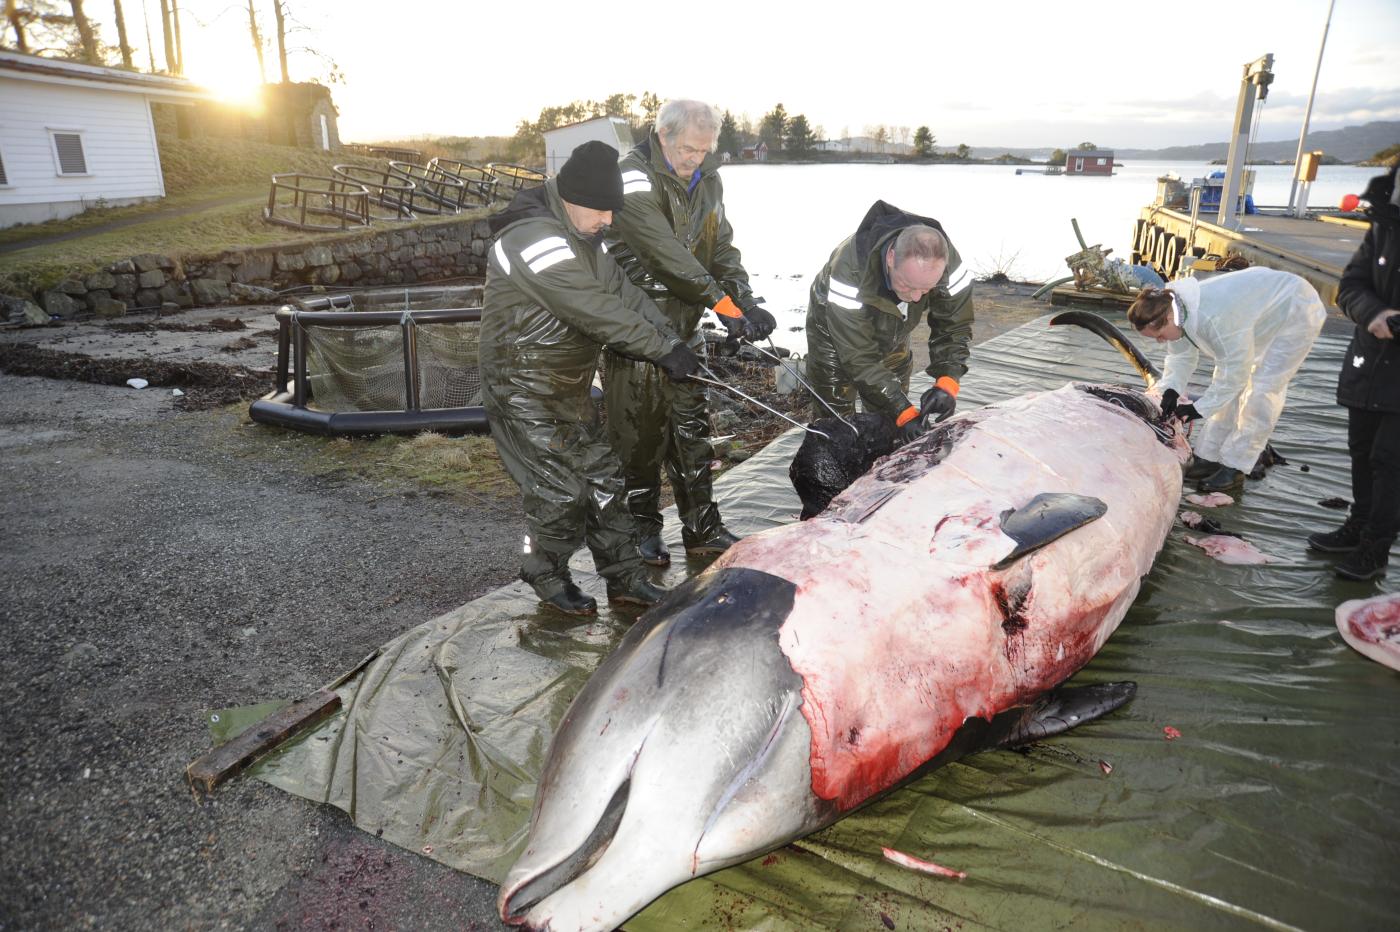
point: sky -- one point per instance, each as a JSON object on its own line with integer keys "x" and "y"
{"x": 1126, "y": 74}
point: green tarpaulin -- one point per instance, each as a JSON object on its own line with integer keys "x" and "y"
{"x": 1278, "y": 805}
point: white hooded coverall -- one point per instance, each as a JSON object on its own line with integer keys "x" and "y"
{"x": 1257, "y": 324}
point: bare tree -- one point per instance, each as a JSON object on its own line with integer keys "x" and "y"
{"x": 170, "y": 61}
{"x": 85, "y": 34}
{"x": 18, "y": 21}
{"x": 257, "y": 41}
{"x": 179, "y": 46}
{"x": 150, "y": 46}
{"x": 121, "y": 34}
{"x": 281, "y": 15}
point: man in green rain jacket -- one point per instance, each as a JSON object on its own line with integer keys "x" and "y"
{"x": 675, "y": 243}
{"x": 880, "y": 282}
{"x": 553, "y": 297}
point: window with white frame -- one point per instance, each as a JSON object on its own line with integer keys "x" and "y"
{"x": 1103, "y": 161}
{"x": 68, "y": 152}
{"x": 4, "y": 178}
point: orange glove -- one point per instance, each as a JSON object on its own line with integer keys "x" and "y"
{"x": 731, "y": 317}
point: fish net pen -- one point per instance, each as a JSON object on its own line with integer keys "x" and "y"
{"x": 513, "y": 178}
{"x": 315, "y": 202}
{"x": 390, "y": 196}
{"x": 383, "y": 152}
{"x": 480, "y": 183}
{"x": 435, "y": 191}
{"x": 377, "y": 369}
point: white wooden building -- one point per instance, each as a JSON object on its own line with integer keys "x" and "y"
{"x": 560, "y": 142}
{"x": 73, "y": 136}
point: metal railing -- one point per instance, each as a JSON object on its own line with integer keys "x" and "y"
{"x": 386, "y": 190}
{"x": 316, "y": 196}
{"x": 515, "y": 177}
{"x": 436, "y": 192}
{"x": 481, "y": 184}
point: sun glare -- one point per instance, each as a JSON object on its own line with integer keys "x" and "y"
{"x": 227, "y": 69}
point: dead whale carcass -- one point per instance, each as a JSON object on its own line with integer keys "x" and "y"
{"x": 930, "y": 611}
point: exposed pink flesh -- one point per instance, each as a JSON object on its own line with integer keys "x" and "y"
{"x": 1372, "y": 626}
{"x": 1229, "y": 549}
{"x": 900, "y": 629}
{"x": 919, "y": 864}
{"x": 1211, "y": 500}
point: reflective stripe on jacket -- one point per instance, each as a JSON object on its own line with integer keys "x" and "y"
{"x": 852, "y": 312}
{"x": 552, "y": 299}
{"x": 673, "y": 242}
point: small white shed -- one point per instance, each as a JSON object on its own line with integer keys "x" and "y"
{"x": 74, "y": 135}
{"x": 560, "y": 142}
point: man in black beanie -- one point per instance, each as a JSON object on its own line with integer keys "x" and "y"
{"x": 553, "y": 298}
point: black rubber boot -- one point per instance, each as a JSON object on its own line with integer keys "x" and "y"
{"x": 1223, "y": 479}
{"x": 717, "y": 543}
{"x": 1343, "y": 540}
{"x": 1367, "y": 561}
{"x": 570, "y": 600}
{"x": 1200, "y": 469}
{"x": 654, "y": 552}
{"x": 635, "y": 590}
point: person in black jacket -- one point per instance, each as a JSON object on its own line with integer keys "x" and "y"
{"x": 1369, "y": 388}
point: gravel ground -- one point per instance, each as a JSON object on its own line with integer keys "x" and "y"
{"x": 159, "y": 562}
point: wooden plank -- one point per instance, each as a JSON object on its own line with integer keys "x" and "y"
{"x": 1068, "y": 296}
{"x": 229, "y": 758}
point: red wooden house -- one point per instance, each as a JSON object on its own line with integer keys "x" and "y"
{"x": 1089, "y": 162}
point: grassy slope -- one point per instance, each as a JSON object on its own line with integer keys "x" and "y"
{"x": 197, "y": 172}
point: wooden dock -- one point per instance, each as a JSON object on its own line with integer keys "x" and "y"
{"x": 1316, "y": 249}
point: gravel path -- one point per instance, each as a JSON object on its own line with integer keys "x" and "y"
{"x": 148, "y": 576}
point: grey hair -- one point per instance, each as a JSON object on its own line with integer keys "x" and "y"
{"x": 677, "y": 116}
{"x": 920, "y": 242}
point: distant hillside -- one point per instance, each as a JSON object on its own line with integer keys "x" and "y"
{"x": 1350, "y": 144}
{"x": 1038, "y": 154}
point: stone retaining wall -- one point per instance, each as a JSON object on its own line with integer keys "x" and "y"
{"x": 251, "y": 276}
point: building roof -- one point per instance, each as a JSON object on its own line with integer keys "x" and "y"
{"x": 614, "y": 119}
{"x": 1090, "y": 153}
{"x": 24, "y": 67}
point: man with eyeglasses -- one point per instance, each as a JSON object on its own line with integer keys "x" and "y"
{"x": 674, "y": 242}
{"x": 896, "y": 270}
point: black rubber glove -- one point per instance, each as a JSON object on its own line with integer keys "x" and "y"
{"x": 1393, "y": 322}
{"x": 1169, "y": 398}
{"x": 680, "y": 363}
{"x": 913, "y": 430}
{"x": 936, "y": 403}
{"x": 759, "y": 323}
{"x": 1187, "y": 413}
{"x": 734, "y": 327}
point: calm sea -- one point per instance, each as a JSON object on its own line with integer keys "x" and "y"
{"x": 788, "y": 218}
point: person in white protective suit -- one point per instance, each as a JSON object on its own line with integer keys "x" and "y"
{"x": 1257, "y": 325}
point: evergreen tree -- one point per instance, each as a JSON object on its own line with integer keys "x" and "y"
{"x": 773, "y": 129}
{"x": 800, "y": 138}
{"x": 729, "y": 135}
{"x": 964, "y": 150}
{"x": 923, "y": 142}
